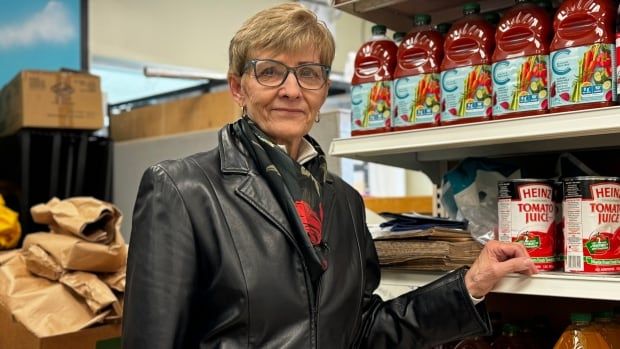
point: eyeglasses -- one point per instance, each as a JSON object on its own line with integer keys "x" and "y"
{"x": 310, "y": 76}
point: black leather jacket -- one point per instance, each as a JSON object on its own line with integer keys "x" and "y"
{"x": 213, "y": 264}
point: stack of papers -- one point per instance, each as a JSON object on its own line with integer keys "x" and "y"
{"x": 424, "y": 243}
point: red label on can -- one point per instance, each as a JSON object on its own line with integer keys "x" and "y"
{"x": 527, "y": 215}
{"x": 592, "y": 224}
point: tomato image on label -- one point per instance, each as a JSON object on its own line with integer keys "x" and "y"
{"x": 598, "y": 243}
{"x": 531, "y": 240}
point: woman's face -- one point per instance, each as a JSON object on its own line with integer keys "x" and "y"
{"x": 285, "y": 113}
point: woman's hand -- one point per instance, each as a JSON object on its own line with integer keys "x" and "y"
{"x": 495, "y": 261}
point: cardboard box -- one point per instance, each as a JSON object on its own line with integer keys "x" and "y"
{"x": 14, "y": 335}
{"x": 207, "y": 111}
{"x": 43, "y": 99}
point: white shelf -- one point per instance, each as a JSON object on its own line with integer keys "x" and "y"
{"x": 555, "y": 284}
{"x": 552, "y": 132}
{"x": 398, "y": 14}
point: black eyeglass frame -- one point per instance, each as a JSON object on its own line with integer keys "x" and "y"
{"x": 252, "y": 62}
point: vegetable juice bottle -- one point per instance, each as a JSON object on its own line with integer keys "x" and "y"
{"x": 583, "y": 55}
{"x": 466, "y": 88}
{"x": 617, "y": 53}
{"x": 608, "y": 328}
{"x": 416, "y": 78}
{"x": 371, "y": 85}
{"x": 580, "y": 334}
{"x": 520, "y": 75}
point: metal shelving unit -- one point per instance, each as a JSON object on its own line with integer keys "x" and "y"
{"x": 555, "y": 284}
{"x": 425, "y": 149}
{"x": 428, "y": 150}
{"x": 422, "y": 149}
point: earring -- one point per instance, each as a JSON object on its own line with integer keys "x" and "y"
{"x": 244, "y": 110}
{"x": 317, "y": 119}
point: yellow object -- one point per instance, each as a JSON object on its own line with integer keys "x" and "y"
{"x": 10, "y": 230}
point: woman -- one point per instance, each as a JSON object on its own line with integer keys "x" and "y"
{"x": 255, "y": 245}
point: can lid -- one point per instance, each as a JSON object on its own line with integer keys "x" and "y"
{"x": 527, "y": 180}
{"x": 592, "y": 178}
{"x": 580, "y": 317}
{"x": 378, "y": 29}
{"x": 422, "y": 19}
{"x": 472, "y": 7}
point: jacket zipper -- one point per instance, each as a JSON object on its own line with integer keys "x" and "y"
{"x": 316, "y": 312}
{"x": 315, "y": 306}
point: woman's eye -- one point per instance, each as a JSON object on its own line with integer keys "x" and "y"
{"x": 308, "y": 73}
{"x": 267, "y": 72}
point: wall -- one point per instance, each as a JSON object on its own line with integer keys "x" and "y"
{"x": 131, "y": 158}
{"x": 189, "y": 33}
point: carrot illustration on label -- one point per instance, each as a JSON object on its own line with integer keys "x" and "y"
{"x": 576, "y": 95}
{"x": 372, "y": 102}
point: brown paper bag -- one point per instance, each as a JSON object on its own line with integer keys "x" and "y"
{"x": 40, "y": 263}
{"x": 76, "y": 254}
{"x": 5, "y": 256}
{"x": 116, "y": 313}
{"x": 94, "y": 291}
{"x": 86, "y": 217}
{"x": 44, "y": 307}
{"x": 115, "y": 281}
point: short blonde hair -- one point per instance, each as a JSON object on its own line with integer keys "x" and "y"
{"x": 289, "y": 27}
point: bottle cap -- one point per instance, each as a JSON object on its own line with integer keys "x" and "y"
{"x": 492, "y": 17}
{"x": 470, "y": 8}
{"x": 444, "y": 28}
{"x": 546, "y": 4}
{"x": 379, "y": 29}
{"x": 422, "y": 19}
{"x": 399, "y": 36}
{"x": 580, "y": 317}
{"x": 606, "y": 314}
{"x": 510, "y": 329}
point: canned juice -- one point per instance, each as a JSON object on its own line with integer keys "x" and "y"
{"x": 526, "y": 214}
{"x": 591, "y": 210}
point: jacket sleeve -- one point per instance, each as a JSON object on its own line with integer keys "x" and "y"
{"x": 161, "y": 266}
{"x": 439, "y": 312}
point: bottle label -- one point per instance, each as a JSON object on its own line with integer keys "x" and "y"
{"x": 617, "y": 65}
{"x": 466, "y": 92}
{"x": 520, "y": 84}
{"x": 371, "y": 105}
{"x": 416, "y": 100}
{"x": 583, "y": 74}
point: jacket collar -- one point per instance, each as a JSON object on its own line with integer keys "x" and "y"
{"x": 256, "y": 192}
{"x": 234, "y": 157}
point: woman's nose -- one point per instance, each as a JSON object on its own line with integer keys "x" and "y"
{"x": 290, "y": 87}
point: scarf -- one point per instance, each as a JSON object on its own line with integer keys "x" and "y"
{"x": 297, "y": 188}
